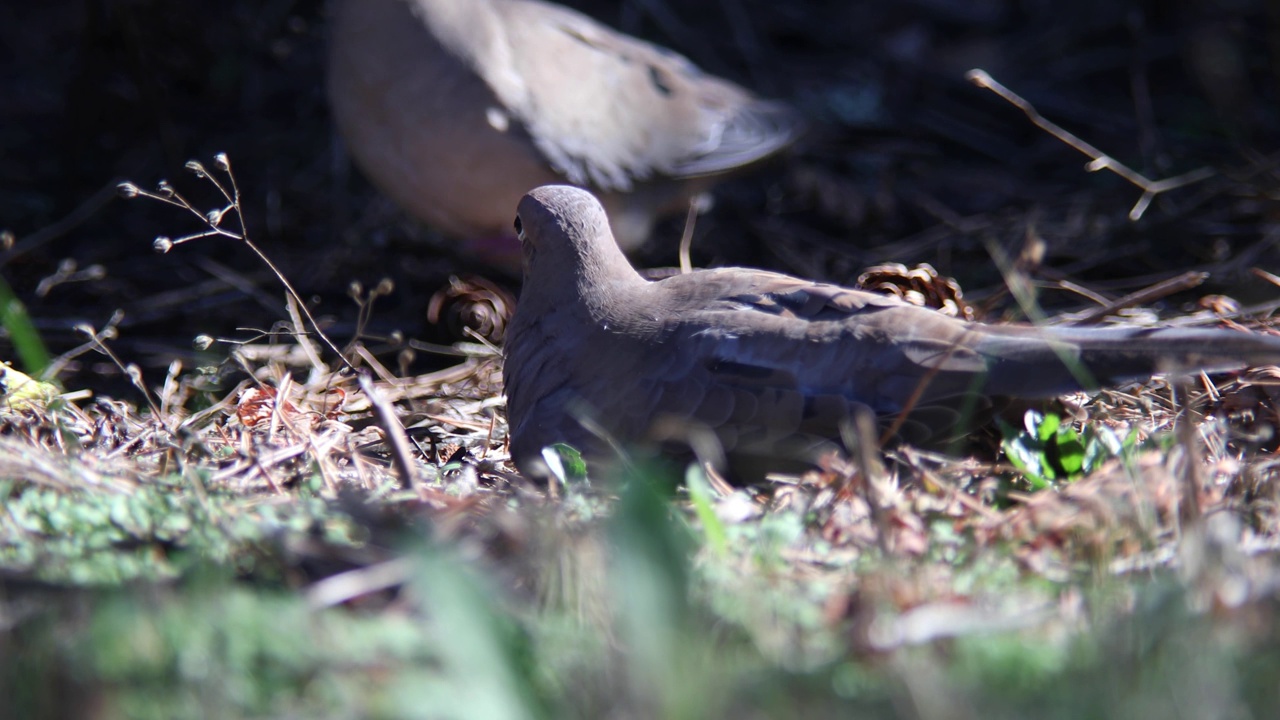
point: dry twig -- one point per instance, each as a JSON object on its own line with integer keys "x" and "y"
{"x": 1098, "y": 159}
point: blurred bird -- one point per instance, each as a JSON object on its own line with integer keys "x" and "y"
{"x": 772, "y": 365}
{"x": 456, "y": 108}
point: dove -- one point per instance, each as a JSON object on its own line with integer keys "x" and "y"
{"x": 771, "y": 365}
{"x": 455, "y": 108}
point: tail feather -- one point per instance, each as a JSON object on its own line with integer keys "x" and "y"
{"x": 1046, "y": 361}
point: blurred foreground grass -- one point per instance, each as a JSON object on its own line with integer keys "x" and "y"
{"x": 173, "y": 606}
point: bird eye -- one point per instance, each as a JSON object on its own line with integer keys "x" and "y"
{"x": 519, "y": 228}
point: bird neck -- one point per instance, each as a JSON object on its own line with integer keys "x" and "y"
{"x": 603, "y": 286}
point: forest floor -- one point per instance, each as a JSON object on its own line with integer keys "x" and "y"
{"x": 205, "y": 515}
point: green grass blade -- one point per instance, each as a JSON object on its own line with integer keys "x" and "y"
{"x": 27, "y": 342}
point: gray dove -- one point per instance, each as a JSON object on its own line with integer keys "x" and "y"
{"x": 455, "y": 108}
{"x": 773, "y": 364}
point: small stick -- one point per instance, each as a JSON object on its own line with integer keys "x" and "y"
{"x": 97, "y": 340}
{"x": 396, "y": 437}
{"x": 860, "y": 440}
{"x": 1177, "y": 284}
{"x": 1098, "y": 160}
{"x": 1189, "y": 510}
{"x": 686, "y": 239}
{"x": 293, "y": 305}
{"x": 349, "y": 585}
{"x": 916, "y": 395}
{"x": 1269, "y": 277}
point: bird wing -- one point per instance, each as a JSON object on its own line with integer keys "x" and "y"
{"x": 768, "y": 361}
{"x": 609, "y": 109}
{"x": 809, "y": 354}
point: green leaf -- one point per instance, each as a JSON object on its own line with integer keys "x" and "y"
{"x": 700, "y": 493}
{"x": 1047, "y": 427}
{"x": 565, "y": 463}
{"x": 1070, "y": 451}
{"x": 14, "y": 318}
{"x": 1028, "y": 459}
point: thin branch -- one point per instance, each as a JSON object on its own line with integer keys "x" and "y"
{"x": 1145, "y": 296}
{"x": 1098, "y": 159}
{"x": 401, "y": 452}
{"x": 686, "y": 239}
{"x": 349, "y": 585}
{"x": 213, "y": 220}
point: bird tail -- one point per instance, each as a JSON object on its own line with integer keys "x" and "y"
{"x": 1046, "y": 361}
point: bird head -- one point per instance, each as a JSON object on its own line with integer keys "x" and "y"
{"x": 567, "y": 245}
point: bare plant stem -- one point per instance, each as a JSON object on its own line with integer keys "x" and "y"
{"x": 1098, "y": 160}
{"x": 213, "y": 221}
